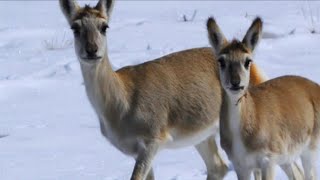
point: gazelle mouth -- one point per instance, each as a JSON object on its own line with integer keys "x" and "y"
{"x": 238, "y": 88}
{"x": 92, "y": 58}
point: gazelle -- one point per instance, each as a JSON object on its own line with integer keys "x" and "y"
{"x": 268, "y": 124}
{"x": 173, "y": 101}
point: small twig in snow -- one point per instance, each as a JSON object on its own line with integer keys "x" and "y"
{"x": 186, "y": 19}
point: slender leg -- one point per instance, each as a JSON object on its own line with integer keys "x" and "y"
{"x": 243, "y": 173}
{"x": 150, "y": 175}
{"x": 143, "y": 161}
{"x": 268, "y": 171}
{"x": 292, "y": 171}
{"x": 308, "y": 162}
{"x": 216, "y": 167}
{"x": 257, "y": 174}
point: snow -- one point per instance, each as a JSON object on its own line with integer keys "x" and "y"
{"x": 51, "y": 132}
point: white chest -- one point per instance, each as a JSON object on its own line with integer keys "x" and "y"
{"x": 240, "y": 155}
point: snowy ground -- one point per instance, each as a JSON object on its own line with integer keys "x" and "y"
{"x": 52, "y": 132}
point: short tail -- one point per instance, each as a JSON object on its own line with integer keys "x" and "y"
{"x": 257, "y": 76}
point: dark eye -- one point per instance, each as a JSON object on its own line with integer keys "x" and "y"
{"x": 76, "y": 29}
{"x": 222, "y": 62}
{"x": 247, "y": 63}
{"x": 104, "y": 28}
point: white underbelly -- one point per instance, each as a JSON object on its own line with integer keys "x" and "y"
{"x": 293, "y": 154}
{"x": 256, "y": 159}
{"x": 179, "y": 140}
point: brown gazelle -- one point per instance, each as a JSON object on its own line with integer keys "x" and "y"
{"x": 173, "y": 101}
{"x": 268, "y": 124}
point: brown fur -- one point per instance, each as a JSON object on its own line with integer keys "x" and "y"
{"x": 88, "y": 11}
{"x": 179, "y": 91}
{"x": 280, "y": 114}
{"x": 233, "y": 46}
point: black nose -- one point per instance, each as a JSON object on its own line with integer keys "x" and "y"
{"x": 91, "y": 50}
{"x": 236, "y": 85}
{"x": 235, "y": 82}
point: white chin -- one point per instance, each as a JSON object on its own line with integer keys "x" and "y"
{"x": 234, "y": 93}
{"x": 90, "y": 61}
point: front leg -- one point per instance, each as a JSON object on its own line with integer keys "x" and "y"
{"x": 144, "y": 160}
{"x": 268, "y": 171}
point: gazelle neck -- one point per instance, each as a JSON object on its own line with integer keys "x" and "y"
{"x": 234, "y": 104}
{"x": 104, "y": 88}
{"x": 235, "y": 99}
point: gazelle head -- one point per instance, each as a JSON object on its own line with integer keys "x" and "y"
{"x": 89, "y": 25}
{"x": 234, "y": 57}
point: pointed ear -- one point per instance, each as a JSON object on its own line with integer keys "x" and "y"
{"x": 216, "y": 37}
{"x": 69, "y": 8}
{"x": 253, "y": 35}
{"x": 106, "y": 7}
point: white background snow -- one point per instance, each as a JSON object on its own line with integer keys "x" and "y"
{"x": 52, "y": 132}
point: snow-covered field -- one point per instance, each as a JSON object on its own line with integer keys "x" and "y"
{"x": 51, "y": 130}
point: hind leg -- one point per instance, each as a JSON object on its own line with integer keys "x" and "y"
{"x": 293, "y": 171}
{"x": 243, "y": 173}
{"x": 216, "y": 167}
{"x": 308, "y": 159}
